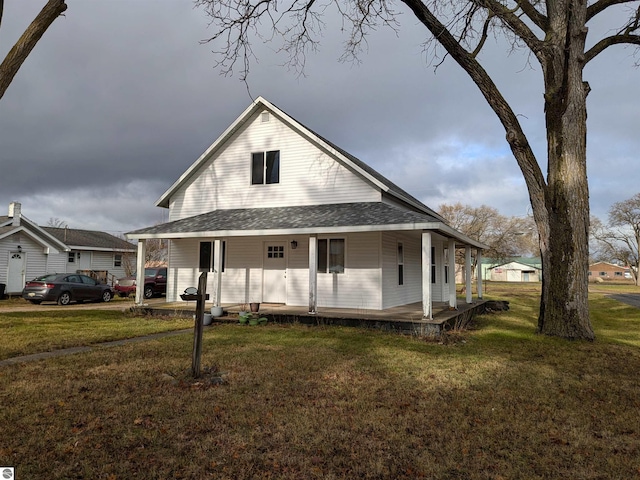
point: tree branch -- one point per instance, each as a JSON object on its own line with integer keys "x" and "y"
{"x": 25, "y": 44}
{"x": 515, "y": 136}
{"x": 514, "y": 23}
{"x": 533, "y": 14}
{"x": 602, "y": 5}
{"x": 608, "y": 42}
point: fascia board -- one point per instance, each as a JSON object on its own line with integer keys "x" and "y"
{"x": 39, "y": 232}
{"x": 40, "y": 241}
{"x": 102, "y": 249}
{"x": 426, "y": 226}
{"x": 163, "y": 201}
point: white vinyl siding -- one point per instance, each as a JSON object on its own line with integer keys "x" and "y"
{"x": 411, "y": 290}
{"x": 37, "y": 262}
{"x": 358, "y": 287}
{"x": 308, "y": 176}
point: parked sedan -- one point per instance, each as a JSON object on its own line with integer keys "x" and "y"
{"x": 66, "y": 287}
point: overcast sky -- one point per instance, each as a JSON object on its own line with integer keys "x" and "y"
{"x": 119, "y": 98}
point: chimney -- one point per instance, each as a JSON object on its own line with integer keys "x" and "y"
{"x": 15, "y": 212}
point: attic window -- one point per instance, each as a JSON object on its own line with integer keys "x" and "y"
{"x": 265, "y": 117}
{"x": 265, "y": 167}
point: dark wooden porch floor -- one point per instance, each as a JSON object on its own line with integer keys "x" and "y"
{"x": 405, "y": 319}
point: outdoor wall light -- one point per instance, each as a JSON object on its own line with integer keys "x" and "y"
{"x": 19, "y": 248}
{"x": 294, "y": 244}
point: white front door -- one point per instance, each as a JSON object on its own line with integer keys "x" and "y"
{"x": 16, "y": 273}
{"x": 274, "y": 273}
{"x": 84, "y": 260}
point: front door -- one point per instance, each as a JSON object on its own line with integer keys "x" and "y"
{"x": 16, "y": 273}
{"x": 274, "y": 273}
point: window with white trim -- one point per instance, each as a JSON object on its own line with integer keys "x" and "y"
{"x": 207, "y": 256}
{"x": 433, "y": 264}
{"x": 117, "y": 260}
{"x": 331, "y": 255}
{"x": 72, "y": 257}
{"x": 265, "y": 167}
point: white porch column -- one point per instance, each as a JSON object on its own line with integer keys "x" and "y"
{"x": 453, "y": 299}
{"x": 142, "y": 252}
{"x": 313, "y": 274}
{"x": 467, "y": 272}
{"x": 217, "y": 272}
{"x": 479, "y": 271}
{"x": 426, "y": 275}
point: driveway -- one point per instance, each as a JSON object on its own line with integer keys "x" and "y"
{"x": 632, "y": 299}
{"x": 115, "y": 304}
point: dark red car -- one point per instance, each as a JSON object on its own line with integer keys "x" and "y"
{"x": 155, "y": 283}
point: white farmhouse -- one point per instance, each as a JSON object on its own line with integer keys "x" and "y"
{"x": 279, "y": 214}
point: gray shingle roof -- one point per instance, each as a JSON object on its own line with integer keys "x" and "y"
{"x": 88, "y": 238}
{"x": 291, "y": 218}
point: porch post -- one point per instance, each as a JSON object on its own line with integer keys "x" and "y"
{"x": 467, "y": 272}
{"x": 479, "y": 271}
{"x": 217, "y": 272}
{"x": 313, "y": 274}
{"x": 426, "y": 275}
{"x": 142, "y": 252}
{"x": 453, "y": 300}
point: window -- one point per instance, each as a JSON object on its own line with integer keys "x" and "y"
{"x": 603, "y": 274}
{"x": 275, "y": 251}
{"x": 400, "y": 263}
{"x": 265, "y": 167}
{"x": 590, "y": 272}
{"x": 117, "y": 260}
{"x": 206, "y": 261}
{"x": 72, "y": 257}
{"x": 446, "y": 265}
{"x": 331, "y": 255}
{"x": 618, "y": 274}
{"x": 433, "y": 264}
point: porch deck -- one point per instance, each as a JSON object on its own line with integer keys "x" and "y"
{"x": 406, "y": 319}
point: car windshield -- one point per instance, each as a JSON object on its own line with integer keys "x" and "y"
{"x": 150, "y": 272}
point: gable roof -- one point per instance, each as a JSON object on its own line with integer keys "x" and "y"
{"x": 32, "y": 230}
{"x": 349, "y": 161}
{"x": 89, "y": 239}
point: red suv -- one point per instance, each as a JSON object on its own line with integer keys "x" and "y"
{"x": 155, "y": 283}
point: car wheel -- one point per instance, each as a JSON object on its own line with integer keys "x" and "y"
{"x": 148, "y": 291}
{"x": 64, "y": 298}
{"x": 106, "y": 296}
{"x": 36, "y": 302}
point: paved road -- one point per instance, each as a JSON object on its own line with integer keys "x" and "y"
{"x": 632, "y": 299}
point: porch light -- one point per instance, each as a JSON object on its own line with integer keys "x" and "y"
{"x": 294, "y": 244}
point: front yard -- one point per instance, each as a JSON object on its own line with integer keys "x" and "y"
{"x": 299, "y": 402}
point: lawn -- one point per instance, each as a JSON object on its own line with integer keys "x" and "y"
{"x": 496, "y": 402}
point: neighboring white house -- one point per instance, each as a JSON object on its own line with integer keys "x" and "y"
{"x": 515, "y": 272}
{"x": 279, "y": 214}
{"x": 28, "y": 251}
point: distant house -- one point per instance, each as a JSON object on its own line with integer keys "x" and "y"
{"x": 28, "y": 250}
{"x": 521, "y": 270}
{"x": 608, "y": 271}
{"x": 279, "y": 214}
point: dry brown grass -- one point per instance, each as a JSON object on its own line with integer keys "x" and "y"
{"x": 336, "y": 403}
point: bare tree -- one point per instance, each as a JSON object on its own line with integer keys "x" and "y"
{"x": 156, "y": 252}
{"x": 507, "y": 237}
{"x": 555, "y": 34}
{"x": 56, "y": 222}
{"x": 620, "y": 239}
{"x": 27, "y": 41}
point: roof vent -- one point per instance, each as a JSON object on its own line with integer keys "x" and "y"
{"x": 265, "y": 117}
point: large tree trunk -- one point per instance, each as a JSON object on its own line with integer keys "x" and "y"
{"x": 564, "y": 220}
{"x": 21, "y": 50}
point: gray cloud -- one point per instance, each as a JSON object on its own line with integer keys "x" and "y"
{"x": 115, "y": 103}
